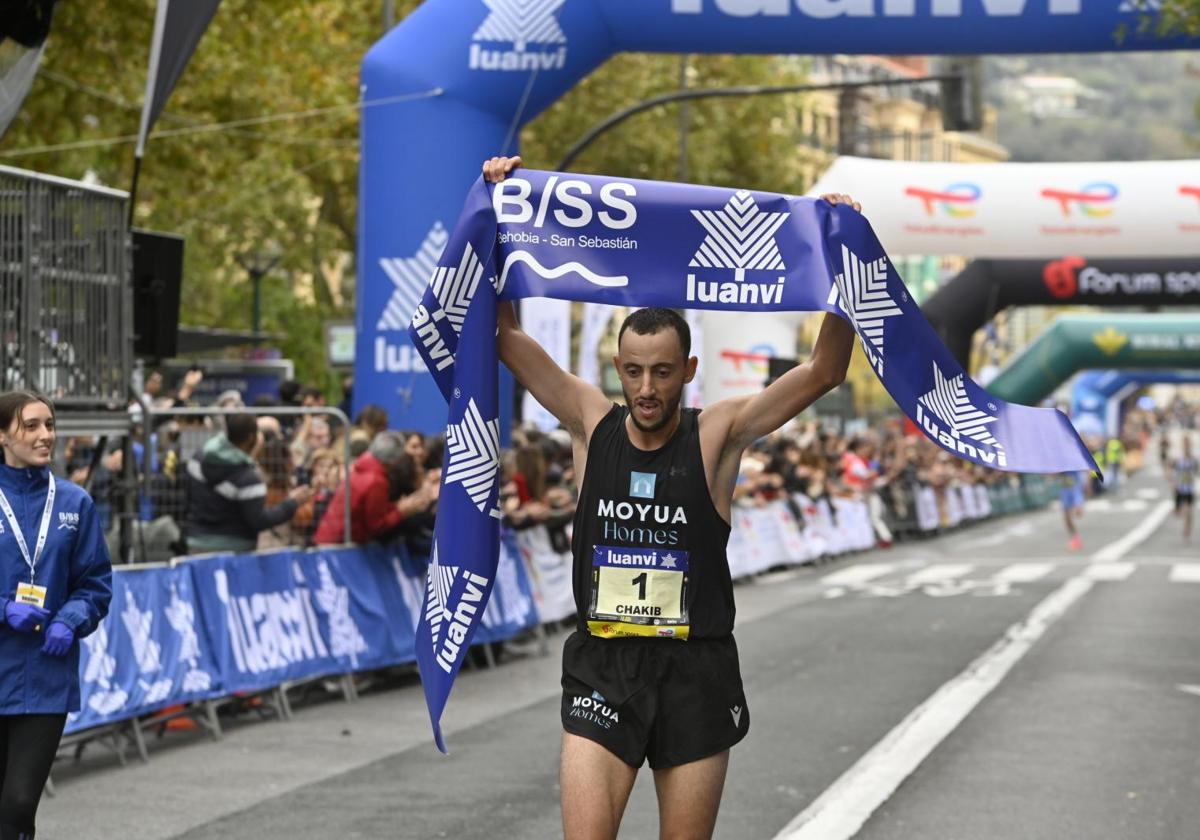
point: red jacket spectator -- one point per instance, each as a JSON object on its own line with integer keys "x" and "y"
{"x": 856, "y": 471}
{"x": 372, "y": 513}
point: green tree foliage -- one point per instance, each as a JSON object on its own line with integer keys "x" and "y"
{"x": 1136, "y": 107}
{"x": 291, "y": 181}
{"x": 1171, "y": 16}
{"x": 743, "y": 142}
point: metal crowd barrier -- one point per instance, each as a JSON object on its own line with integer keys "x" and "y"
{"x": 170, "y": 437}
{"x": 66, "y": 305}
{"x": 765, "y": 537}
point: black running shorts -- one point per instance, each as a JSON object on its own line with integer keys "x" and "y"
{"x": 1184, "y": 498}
{"x": 665, "y": 700}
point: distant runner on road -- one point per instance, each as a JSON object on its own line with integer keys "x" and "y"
{"x": 1182, "y": 472}
{"x": 1073, "y": 494}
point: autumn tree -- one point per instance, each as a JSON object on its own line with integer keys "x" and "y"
{"x": 260, "y": 142}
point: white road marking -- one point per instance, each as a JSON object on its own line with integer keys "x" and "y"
{"x": 1185, "y": 573}
{"x": 1109, "y": 571}
{"x": 1023, "y": 572}
{"x": 1024, "y": 528}
{"x": 1149, "y": 493}
{"x": 939, "y": 572}
{"x": 777, "y": 577}
{"x": 1134, "y": 505}
{"x": 841, "y": 811}
{"x": 1189, "y": 689}
{"x": 861, "y": 573}
{"x": 1118, "y": 549}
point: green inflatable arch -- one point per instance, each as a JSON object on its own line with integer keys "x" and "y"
{"x": 1081, "y": 342}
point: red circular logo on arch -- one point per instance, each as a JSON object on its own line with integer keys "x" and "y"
{"x": 1062, "y": 276}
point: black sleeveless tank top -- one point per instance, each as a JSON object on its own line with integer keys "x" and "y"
{"x": 648, "y": 543}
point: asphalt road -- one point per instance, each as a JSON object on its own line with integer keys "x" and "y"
{"x": 985, "y": 684}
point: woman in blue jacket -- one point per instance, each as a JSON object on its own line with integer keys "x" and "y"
{"x": 55, "y": 585}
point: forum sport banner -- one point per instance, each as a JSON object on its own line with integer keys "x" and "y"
{"x": 643, "y": 243}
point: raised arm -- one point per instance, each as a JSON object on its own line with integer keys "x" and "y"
{"x": 752, "y": 417}
{"x": 756, "y": 416}
{"x": 578, "y": 405}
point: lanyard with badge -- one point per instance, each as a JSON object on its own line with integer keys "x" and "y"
{"x": 30, "y": 593}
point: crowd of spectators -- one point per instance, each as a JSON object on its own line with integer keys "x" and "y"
{"x": 260, "y": 479}
{"x": 271, "y": 479}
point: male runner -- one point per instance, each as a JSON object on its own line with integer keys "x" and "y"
{"x": 1072, "y": 494}
{"x": 652, "y": 670}
{"x": 1183, "y": 476}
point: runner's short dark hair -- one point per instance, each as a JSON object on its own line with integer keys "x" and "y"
{"x": 654, "y": 319}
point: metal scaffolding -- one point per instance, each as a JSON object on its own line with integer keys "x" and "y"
{"x": 66, "y": 307}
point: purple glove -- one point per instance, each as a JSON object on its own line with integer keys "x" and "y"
{"x": 59, "y": 638}
{"x": 24, "y": 617}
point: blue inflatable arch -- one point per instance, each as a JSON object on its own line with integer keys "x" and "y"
{"x": 1097, "y": 395}
{"x": 456, "y": 80}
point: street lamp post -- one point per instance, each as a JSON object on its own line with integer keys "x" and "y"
{"x": 953, "y": 86}
{"x": 258, "y": 263}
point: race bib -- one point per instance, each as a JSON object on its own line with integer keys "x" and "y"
{"x": 638, "y": 592}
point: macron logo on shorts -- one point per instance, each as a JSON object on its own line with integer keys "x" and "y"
{"x": 736, "y": 713}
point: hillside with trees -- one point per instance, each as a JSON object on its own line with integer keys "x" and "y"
{"x": 1144, "y": 108}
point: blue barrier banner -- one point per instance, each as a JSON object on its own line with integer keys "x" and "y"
{"x": 224, "y": 623}
{"x": 293, "y": 615}
{"x": 642, "y": 243}
{"x": 455, "y": 81}
{"x": 511, "y": 608}
{"x": 150, "y": 651}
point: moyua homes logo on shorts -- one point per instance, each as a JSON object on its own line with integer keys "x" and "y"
{"x": 594, "y": 709}
{"x": 738, "y": 236}
{"x": 522, "y": 24}
{"x": 449, "y": 622}
{"x": 947, "y": 415}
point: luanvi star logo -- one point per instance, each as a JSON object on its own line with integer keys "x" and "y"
{"x": 437, "y": 597}
{"x": 948, "y": 416}
{"x": 739, "y": 236}
{"x": 454, "y": 287}
{"x": 861, "y": 291}
{"x": 410, "y": 276}
{"x": 521, "y": 23}
{"x": 949, "y": 401}
{"x": 473, "y": 456}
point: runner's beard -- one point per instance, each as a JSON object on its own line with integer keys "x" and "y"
{"x": 671, "y": 409}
